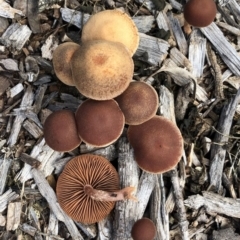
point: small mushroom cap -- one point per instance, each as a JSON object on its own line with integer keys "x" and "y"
{"x": 101, "y": 69}
{"x": 99, "y": 123}
{"x": 60, "y": 131}
{"x": 139, "y": 103}
{"x": 144, "y": 229}
{"x": 112, "y": 25}
{"x": 62, "y": 56}
{"x": 200, "y": 13}
{"x": 85, "y": 170}
{"x": 157, "y": 144}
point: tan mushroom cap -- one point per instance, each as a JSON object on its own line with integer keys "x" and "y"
{"x": 62, "y": 56}
{"x": 200, "y": 13}
{"x": 112, "y": 25}
{"x": 144, "y": 229}
{"x": 139, "y": 103}
{"x": 85, "y": 170}
{"x": 60, "y": 131}
{"x": 99, "y": 123}
{"x": 157, "y": 144}
{"x": 101, "y": 69}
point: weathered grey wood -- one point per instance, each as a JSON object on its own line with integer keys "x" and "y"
{"x": 50, "y": 44}
{"x": 162, "y": 21}
{"x": 27, "y": 101}
{"x": 197, "y": 52}
{"x": 144, "y": 23}
{"x": 105, "y": 228}
{"x": 4, "y": 167}
{"x": 9, "y": 64}
{"x": 39, "y": 98}
{"x": 48, "y": 193}
{"x": 13, "y": 215}
{"x": 148, "y": 4}
{"x": 218, "y": 151}
{"x": 33, "y": 129}
{"x": 52, "y": 228}
{"x": 14, "y": 91}
{"x": 7, "y": 197}
{"x": 7, "y": 11}
{"x": 176, "y": 5}
{"x": 90, "y": 230}
{"x": 178, "y": 34}
{"x": 151, "y": 49}
{"x": 227, "y": 52}
{"x": 60, "y": 163}
{"x": 16, "y": 36}
{"x": 229, "y": 28}
{"x": 126, "y": 212}
{"x": 28, "y": 229}
{"x": 214, "y": 203}
{"x": 234, "y": 7}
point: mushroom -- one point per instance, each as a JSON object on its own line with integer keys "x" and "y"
{"x": 99, "y": 123}
{"x": 112, "y": 25}
{"x": 139, "y": 103}
{"x": 60, "y": 131}
{"x": 101, "y": 69}
{"x": 157, "y": 144}
{"x": 144, "y": 229}
{"x": 61, "y": 61}
{"x": 199, "y": 13}
{"x": 88, "y": 188}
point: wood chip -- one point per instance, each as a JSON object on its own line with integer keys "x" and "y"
{"x": 13, "y": 215}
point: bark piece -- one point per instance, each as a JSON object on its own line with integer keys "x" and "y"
{"x": 48, "y": 193}
{"x": 33, "y": 129}
{"x": 29, "y": 160}
{"x": 4, "y": 167}
{"x": 4, "y": 84}
{"x": 13, "y": 215}
{"x": 214, "y": 203}
{"x": 218, "y": 151}
{"x": 49, "y": 46}
{"x": 7, "y": 197}
{"x": 9, "y": 64}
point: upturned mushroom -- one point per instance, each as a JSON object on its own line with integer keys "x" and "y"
{"x": 88, "y": 188}
{"x": 60, "y": 131}
{"x": 101, "y": 69}
{"x": 144, "y": 229}
{"x": 62, "y": 56}
{"x": 99, "y": 123}
{"x": 199, "y": 13}
{"x": 139, "y": 103}
{"x": 157, "y": 144}
{"x": 112, "y": 25}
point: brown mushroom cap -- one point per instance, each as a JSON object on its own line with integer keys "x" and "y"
{"x": 112, "y": 25}
{"x": 157, "y": 144}
{"x": 200, "y": 13}
{"x": 144, "y": 229}
{"x": 85, "y": 170}
{"x": 60, "y": 131}
{"x": 101, "y": 69}
{"x": 61, "y": 61}
{"x": 99, "y": 123}
{"x": 139, "y": 103}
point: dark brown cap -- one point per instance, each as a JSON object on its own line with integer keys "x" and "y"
{"x": 60, "y": 131}
{"x": 101, "y": 69}
{"x": 200, "y": 13}
{"x": 82, "y": 171}
{"x": 99, "y": 123}
{"x": 62, "y": 56}
{"x": 114, "y": 26}
{"x": 144, "y": 229}
{"x": 139, "y": 103}
{"x": 157, "y": 144}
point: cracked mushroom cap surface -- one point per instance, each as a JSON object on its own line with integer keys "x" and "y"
{"x": 139, "y": 102}
{"x": 112, "y": 25}
{"x": 144, "y": 229}
{"x": 99, "y": 123}
{"x": 87, "y": 169}
{"x": 200, "y": 13}
{"x": 62, "y": 56}
{"x": 102, "y": 70}
{"x": 60, "y": 131}
{"x": 157, "y": 144}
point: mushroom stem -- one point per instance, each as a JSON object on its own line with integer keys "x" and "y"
{"x": 99, "y": 195}
{"x": 187, "y": 27}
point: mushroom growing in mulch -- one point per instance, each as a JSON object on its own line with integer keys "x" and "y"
{"x": 99, "y": 123}
{"x": 157, "y": 144}
{"x": 112, "y": 25}
{"x": 199, "y": 13}
{"x": 139, "y": 103}
{"x": 60, "y": 131}
{"x": 101, "y": 69}
{"x": 144, "y": 229}
{"x": 88, "y": 188}
{"x": 62, "y": 56}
